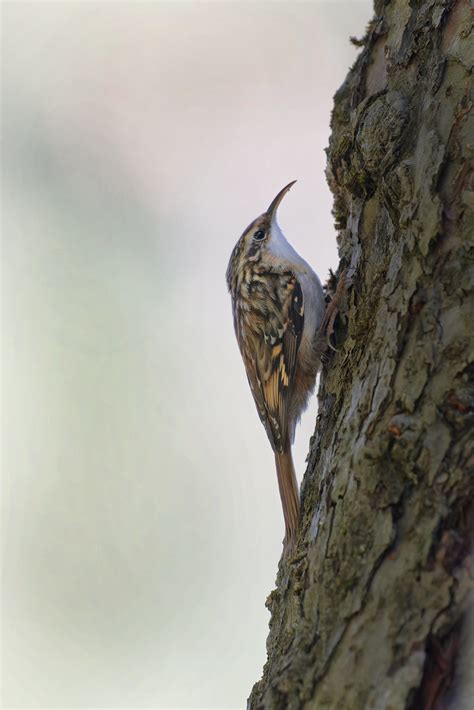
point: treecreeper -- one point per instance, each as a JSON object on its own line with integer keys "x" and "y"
{"x": 280, "y": 320}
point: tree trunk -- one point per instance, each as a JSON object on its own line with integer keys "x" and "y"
{"x": 371, "y": 611}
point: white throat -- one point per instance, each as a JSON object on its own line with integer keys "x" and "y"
{"x": 280, "y": 248}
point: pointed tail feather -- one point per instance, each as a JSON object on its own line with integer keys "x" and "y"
{"x": 288, "y": 493}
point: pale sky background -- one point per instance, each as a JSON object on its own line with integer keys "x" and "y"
{"x": 141, "y": 520}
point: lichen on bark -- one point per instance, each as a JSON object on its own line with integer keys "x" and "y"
{"x": 371, "y": 611}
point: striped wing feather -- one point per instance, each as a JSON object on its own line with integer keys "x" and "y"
{"x": 270, "y": 349}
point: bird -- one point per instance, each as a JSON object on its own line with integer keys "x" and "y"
{"x": 279, "y": 314}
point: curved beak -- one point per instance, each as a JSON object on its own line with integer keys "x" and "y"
{"x": 271, "y": 212}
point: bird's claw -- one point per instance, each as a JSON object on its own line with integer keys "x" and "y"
{"x": 332, "y": 309}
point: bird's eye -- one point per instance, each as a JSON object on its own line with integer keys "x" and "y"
{"x": 259, "y": 235}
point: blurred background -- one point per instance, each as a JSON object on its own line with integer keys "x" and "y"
{"x": 141, "y": 520}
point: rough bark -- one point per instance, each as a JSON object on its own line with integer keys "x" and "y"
{"x": 371, "y": 612}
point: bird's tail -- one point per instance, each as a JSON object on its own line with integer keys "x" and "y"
{"x": 289, "y": 495}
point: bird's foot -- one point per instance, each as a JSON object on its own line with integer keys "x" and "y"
{"x": 332, "y": 309}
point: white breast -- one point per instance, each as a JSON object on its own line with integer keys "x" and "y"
{"x": 282, "y": 253}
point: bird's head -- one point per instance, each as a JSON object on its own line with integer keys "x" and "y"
{"x": 261, "y": 234}
{"x": 262, "y": 241}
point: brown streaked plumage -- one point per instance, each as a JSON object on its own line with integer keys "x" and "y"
{"x": 278, "y": 308}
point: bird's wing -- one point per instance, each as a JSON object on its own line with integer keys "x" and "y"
{"x": 270, "y": 335}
